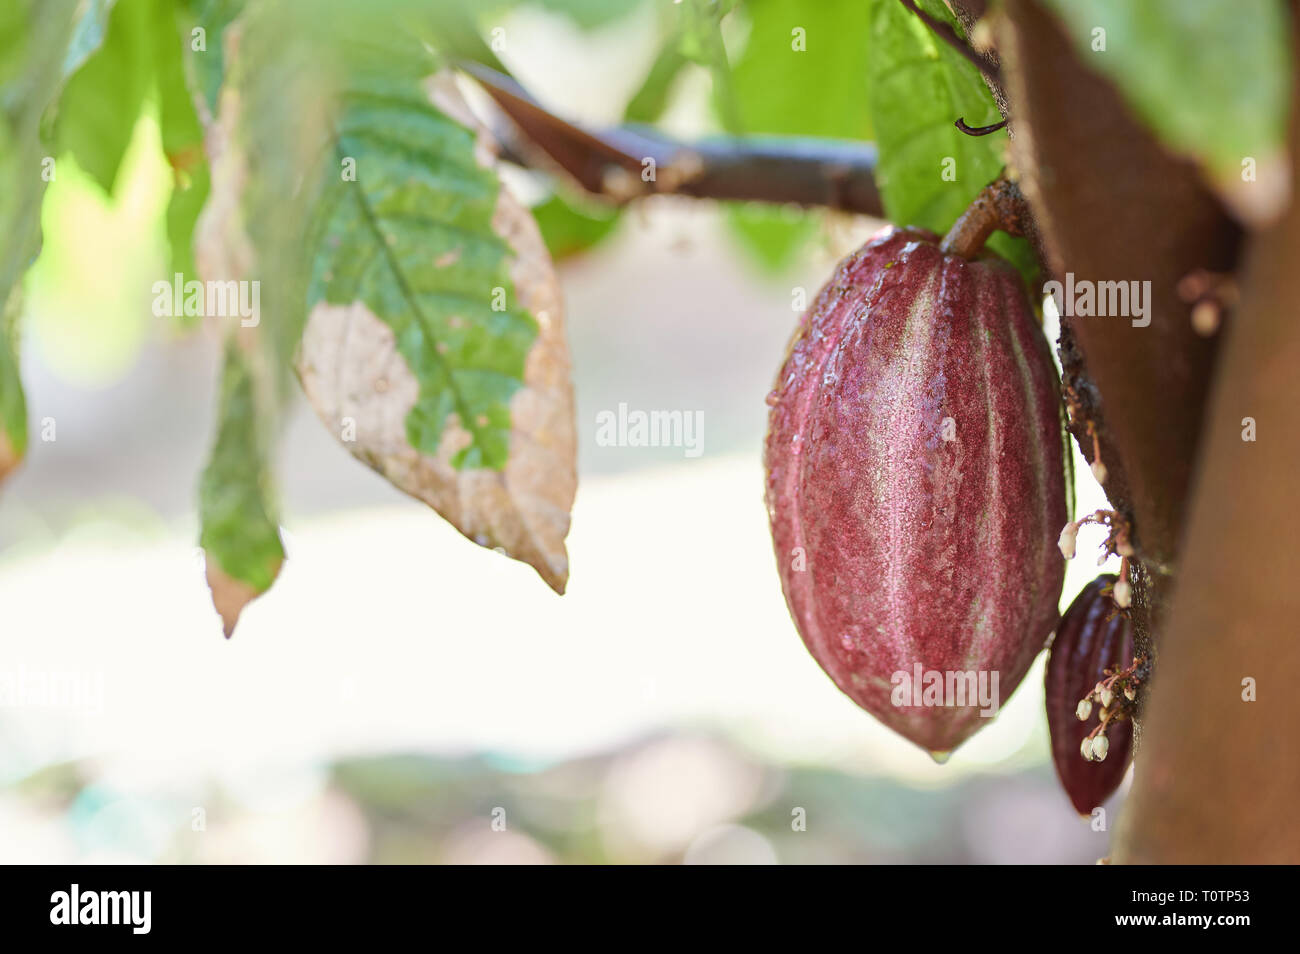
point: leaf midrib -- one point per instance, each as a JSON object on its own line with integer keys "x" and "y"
{"x": 372, "y": 222}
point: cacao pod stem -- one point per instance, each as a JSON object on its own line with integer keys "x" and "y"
{"x": 1000, "y": 205}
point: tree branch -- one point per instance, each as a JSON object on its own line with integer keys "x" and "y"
{"x": 624, "y": 164}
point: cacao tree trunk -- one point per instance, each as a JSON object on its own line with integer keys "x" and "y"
{"x": 1217, "y": 773}
{"x": 1219, "y": 777}
{"x": 1113, "y": 205}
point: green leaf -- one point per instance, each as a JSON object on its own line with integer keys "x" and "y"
{"x": 803, "y": 72}
{"x": 772, "y": 235}
{"x": 589, "y": 14}
{"x": 103, "y": 98}
{"x": 702, "y": 43}
{"x": 34, "y": 36}
{"x": 454, "y": 31}
{"x": 87, "y": 34}
{"x": 252, "y": 232}
{"x": 240, "y": 532}
{"x": 412, "y": 238}
{"x": 13, "y": 403}
{"x": 236, "y": 506}
{"x": 650, "y": 101}
{"x": 1211, "y": 77}
{"x": 142, "y": 56}
{"x": 571, "y": 227}
{"x": 918, "y": 87}
{"x": 804, "y": 68}
{"x": 414, "y": 293}
{"x": 210, "y": 17}
{"x": 182, "y": 139}
{"x": 929, "y": 172}
{"x": 585, "y": 14}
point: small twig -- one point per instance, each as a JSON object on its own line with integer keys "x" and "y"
{"x": 945, "y": 32}
{"x": 979, "y": 130}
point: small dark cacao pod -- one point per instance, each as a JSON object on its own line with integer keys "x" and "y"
{"x": 915, "y": 483}
{"x": 1092, "y": 637}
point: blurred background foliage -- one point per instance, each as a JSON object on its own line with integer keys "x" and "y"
{"x": 669, "y": 798}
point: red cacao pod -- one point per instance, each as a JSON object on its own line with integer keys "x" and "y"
{"x": 1093, "y": 636}
{"x": 915, "y": 482}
